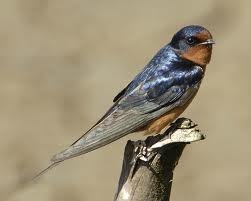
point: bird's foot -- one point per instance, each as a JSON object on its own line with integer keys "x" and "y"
{"x": 142, "y": 152}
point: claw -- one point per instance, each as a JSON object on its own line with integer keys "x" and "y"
{"x": 142, "y": 151}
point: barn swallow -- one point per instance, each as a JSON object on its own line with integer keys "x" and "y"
{"x": 155, "y": 97}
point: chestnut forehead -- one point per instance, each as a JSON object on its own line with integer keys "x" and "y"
{"x": 203, "y": 35}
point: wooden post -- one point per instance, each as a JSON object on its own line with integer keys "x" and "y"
{"x": 147, "y": 170}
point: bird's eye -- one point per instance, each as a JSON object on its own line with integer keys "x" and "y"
{"x": 191, "y": 40}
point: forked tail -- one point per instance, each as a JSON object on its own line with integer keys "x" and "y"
{"x": 52, "y": 165}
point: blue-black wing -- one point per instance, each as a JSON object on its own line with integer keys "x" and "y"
{"x": 171, "y": 89}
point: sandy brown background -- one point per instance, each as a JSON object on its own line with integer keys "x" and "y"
{"x": 62, "y": 62}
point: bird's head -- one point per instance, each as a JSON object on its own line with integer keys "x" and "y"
{"x": 193, "y": 43}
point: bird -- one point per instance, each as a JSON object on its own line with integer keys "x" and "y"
{"x": 155, "y": 97}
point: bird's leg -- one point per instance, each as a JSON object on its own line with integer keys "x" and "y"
{"x": 143, "y": 151}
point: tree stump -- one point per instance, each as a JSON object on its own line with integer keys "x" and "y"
{"x": 147, "y": 170}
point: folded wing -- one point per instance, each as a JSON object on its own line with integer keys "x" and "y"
{"x": 148, "y": 100}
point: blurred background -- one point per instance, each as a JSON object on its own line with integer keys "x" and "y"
{"x": 61, "y": 64}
